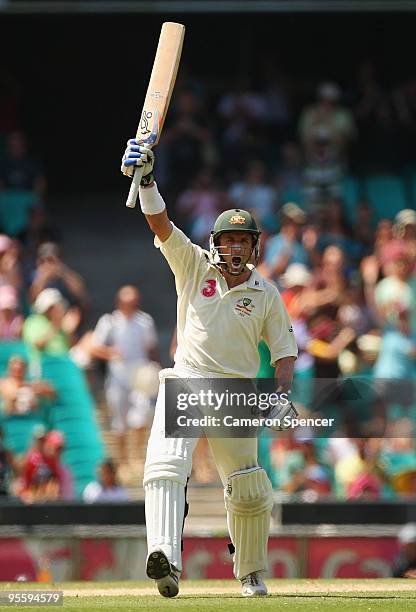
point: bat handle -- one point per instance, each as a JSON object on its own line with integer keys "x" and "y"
{"x": 134, "y": 187}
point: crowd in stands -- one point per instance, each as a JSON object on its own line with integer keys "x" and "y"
{"x": 332, "y": 183}
{"x": 330, "y": 177}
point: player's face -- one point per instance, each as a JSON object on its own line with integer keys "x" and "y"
{"x": 235, "y": 250}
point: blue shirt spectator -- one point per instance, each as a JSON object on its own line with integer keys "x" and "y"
{"x": 286, "y": 247}
{"x": 396, "y": 359}
{"x": 281, "y": 245}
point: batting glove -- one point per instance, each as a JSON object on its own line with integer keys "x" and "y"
{"x": 136, "y": 155}
{"x": 280, "y": 412}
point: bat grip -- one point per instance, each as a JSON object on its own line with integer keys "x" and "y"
{"x": 134, "y": 187}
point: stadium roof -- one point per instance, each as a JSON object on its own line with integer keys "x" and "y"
{"x": 201, "y": 6}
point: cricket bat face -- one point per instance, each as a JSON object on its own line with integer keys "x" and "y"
{"x": 161, "y": 84}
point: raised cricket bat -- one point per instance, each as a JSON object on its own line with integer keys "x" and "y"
{"x": 159, "y": 91}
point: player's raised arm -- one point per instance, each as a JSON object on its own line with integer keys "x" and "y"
{"x": 151, "y": 202}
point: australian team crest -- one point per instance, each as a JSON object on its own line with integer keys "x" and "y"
{"x": 237, "y": 220}
{"x": 244, "y": 307}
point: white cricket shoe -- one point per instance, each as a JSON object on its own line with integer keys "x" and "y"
{"x": 253, "y": 585}
{"x": 166, "y": 575}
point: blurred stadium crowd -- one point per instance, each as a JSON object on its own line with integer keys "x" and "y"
{"x": 332, "y": 183}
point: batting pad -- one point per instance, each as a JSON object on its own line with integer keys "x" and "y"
{"x": 248, "y": 500}
{"x": 165, "y": 509}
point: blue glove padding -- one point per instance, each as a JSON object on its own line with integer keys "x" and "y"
{"x": 137, "y": 155}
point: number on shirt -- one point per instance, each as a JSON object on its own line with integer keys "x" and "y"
{"x": 210, "y": 288}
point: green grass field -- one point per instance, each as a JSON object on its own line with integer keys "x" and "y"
{"x": 224, "y": 596}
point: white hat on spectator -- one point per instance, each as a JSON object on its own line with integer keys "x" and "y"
{"x": 293, "y": 212}
{"x": 407, "y": 534}
{"x": 407, "y": 216}
{"x": 46, "y": 299}
{"x": 296, "y": 275}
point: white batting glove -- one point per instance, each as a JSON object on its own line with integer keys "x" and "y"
{"x": 280, "y": 412}
{"x": 137, "y": 155}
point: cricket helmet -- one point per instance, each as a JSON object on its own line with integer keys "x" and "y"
{"x": 234, "y": 220}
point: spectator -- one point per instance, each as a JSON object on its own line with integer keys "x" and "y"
{"x": 394, "y": 367}
{"x": 395, "y": 256}
{"x": 361, "y": 460}
{"x": 106, "y": 489}
{"x": 301, "y": 473}
{"x": 383, "y": 237}
{"x": 41, "y": 471}
{"x": 9, "y": 263}
{"x": 365, "y": 487}
{"x": 286, "y": 247}
{"x": 404, "y": 565}
{"x": 54, "y": 445}
{"x": 332, "y": 271}
{"x": 328, "y": 340}
{"x": 295, "y": 282}
{"x": 328, "y": 286}
{"x": 393, "y": 292}
{"x": 404, "y": 230}
{"x": 326, "y": 130}
{"x": 126, "y": 339}
{"x": 398, "y": 458}
{"x": 19, "y": 395}
{"x": 295, "y": 295}
{"x": 11, "y": 322}
{"x": 51, "y": 272}
{"x": 255, "y": 194}
{"x": 353, "y": 312}
{"x": 51, "y": 329}
{"x": 405, "y": 225}
{"x": 201, "y": 204}
{"x": 19, "y": 170}
{"x": 388, "y": 249}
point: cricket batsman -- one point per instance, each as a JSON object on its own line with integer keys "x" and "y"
{"x": 217, "y": 337}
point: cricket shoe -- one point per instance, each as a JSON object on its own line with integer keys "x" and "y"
{"x": 253, "y": 585}
{"x": 166, "y": 575}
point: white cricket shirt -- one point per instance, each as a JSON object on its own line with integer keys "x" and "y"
{"x": 219, "y": 329}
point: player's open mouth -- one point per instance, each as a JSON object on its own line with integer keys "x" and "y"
{"x": 236, "y": 261}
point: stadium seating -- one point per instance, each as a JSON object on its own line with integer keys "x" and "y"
{"x": 351, "y": 192}
{"x": 387, "y": 195}
{"x": 411, "y": 183}
{"x": 15, "y": 208}
{"x": 17, "y": 430}
{"x": 73, "y": 413}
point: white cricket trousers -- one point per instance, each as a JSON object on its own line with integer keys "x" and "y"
{"x": 167, "y": 468}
